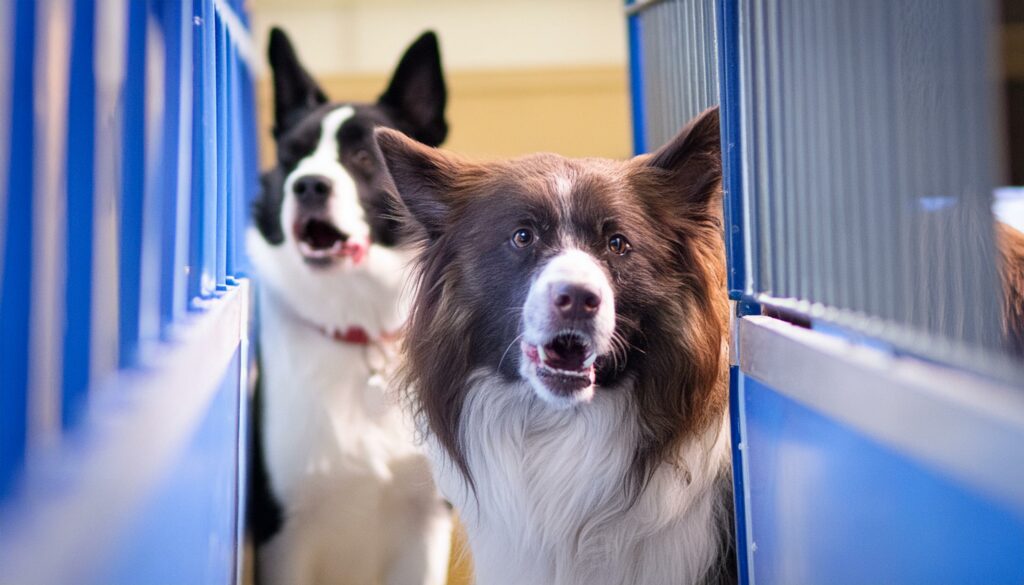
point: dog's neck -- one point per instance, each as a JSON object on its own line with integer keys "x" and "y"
{"x": 356, "y": 335}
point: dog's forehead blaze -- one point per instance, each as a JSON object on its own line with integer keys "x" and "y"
{"x": 303, "y": 139}
{"x": 576, "y": 198}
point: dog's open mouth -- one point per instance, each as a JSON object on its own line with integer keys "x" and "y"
{"x": 565, "y": 364}
{"x": 320, "y": 242}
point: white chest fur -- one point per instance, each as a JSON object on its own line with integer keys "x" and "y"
{"x": 550, "y": 503}
{"x": 358, "y": 502}
{"x": 323, "y": 416}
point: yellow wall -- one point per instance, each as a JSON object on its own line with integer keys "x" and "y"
{"x": 578, "y": 111}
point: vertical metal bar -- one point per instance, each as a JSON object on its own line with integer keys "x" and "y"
{"x": 235, "y": 164}
{"x": 686, "y": 70}
{"x": 835, "y": 170}
{"x": 133, "y": 184}
{"x": 80, "y": 212}
{"x": 766, "y": 232}
{"x": 791, "y": 20}
{"x": 203, "y": 277}
{"x": 859, "y": 180}
{"x": 728, "y": 70}
{"x": 221, "y": 194}
{"x": 732, "y": 173}
{"x": 657, "y": 56}
{"x": 176, "y": 20}
{"x": 748, "y": 149}
{"x": 883, "y": 108}
{"x": 802, "y": 83}
{"x": 820, "y": 242}
{"x": 155, "y": 110}
{"x": 636, "y": 81}
{"x": 16, "y": 239}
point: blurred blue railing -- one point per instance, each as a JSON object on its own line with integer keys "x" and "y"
{"x": 875, "y": 414}
{"x": 128, "y": 161}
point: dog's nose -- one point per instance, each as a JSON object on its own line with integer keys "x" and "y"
{"x": 575, "y": 301}
{"x": 312, "y": 190}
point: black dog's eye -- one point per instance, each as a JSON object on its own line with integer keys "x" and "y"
{"x": 364, "y": 161}
{"x": 522, "y": 238}
{"x": 618, "y": 244}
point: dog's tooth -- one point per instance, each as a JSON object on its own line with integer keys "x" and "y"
{"x": 540, "y": 352}
{"x": 590, "y": 360}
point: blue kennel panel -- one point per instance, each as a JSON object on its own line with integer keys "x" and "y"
{"x": 127, "y": 163}
{"x": 876, "y": 410}
{"x": 831, "y": 505}
{"x": 871, "y": 467}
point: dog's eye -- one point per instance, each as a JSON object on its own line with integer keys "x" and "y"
{"x": 618, "y": 244}
{"x": 363, "y": 160}
{"x": 522, "y": 238}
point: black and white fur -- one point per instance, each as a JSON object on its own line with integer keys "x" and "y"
{"x": 341, "y": 494}
{"x": 568, "y": 354}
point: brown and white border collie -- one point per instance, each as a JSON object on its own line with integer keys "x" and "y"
{"x": 567, "y": 354}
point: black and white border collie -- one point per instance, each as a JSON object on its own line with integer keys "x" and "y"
{"x": 568, "y": 353}
{"x": 341, "y": 494}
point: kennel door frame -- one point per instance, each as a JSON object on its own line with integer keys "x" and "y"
{"x": 128, "y": 155}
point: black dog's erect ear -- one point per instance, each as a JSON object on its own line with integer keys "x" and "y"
{"x": 295, "y": 92}
{"x": 424, "y": 178}
{"x": 693, "y": 156}
{"x": 416, "y": 96}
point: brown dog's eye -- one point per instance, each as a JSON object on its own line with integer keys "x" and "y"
{"x": 618, "y": 244}
{"x": 522, "y": 238}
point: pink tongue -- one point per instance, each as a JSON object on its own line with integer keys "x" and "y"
{"x": 355, "y": 250}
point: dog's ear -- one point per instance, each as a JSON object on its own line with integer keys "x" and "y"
{"x": 424, "y": 178}
{"x": 693, "y": 158}
{"x": 417, "y": 95}
{"x": 295, "y": 92}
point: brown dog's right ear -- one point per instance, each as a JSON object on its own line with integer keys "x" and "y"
{"x": 424, "y": 178}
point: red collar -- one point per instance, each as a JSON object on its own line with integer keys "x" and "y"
{"x": 356, "y": 335}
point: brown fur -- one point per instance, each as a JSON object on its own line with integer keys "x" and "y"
{"x": 1010, "y": 243}
{"x": 672, "y": 310}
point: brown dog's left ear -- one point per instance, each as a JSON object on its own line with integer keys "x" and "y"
{"x": 693, "y": 156}
{"x": 424, "y": 178}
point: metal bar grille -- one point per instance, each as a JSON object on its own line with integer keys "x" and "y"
{"x": 679, "y": 65}
{"x": 868, "y": 160}
{"x": 127, "y": 164}
{"x": 861, "y": 147}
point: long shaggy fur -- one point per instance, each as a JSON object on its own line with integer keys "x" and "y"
{"x": 638, "y": 480}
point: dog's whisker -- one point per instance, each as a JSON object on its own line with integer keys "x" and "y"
{"x": 517, "y": 338}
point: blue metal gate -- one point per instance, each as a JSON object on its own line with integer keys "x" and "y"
{"x": 128, "y": 160}
{"x": 877, "y": 417}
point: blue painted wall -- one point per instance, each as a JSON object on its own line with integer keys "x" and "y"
{"x": 829, "y": 505}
